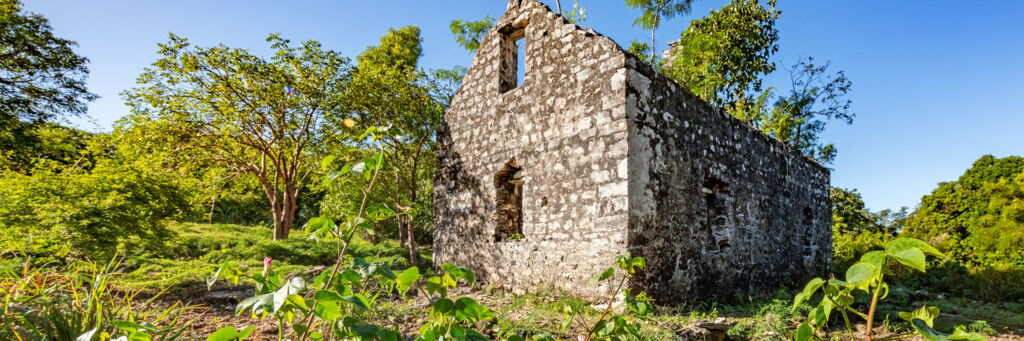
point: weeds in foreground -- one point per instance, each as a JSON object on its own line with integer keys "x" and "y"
{"x": 76, "y": 302}
{"x": 335, "y": 305}
{"x": 868, "y": 275}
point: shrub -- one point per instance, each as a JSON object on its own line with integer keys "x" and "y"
{"x": 86, "y": 212}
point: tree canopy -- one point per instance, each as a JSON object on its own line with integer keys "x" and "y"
{"x": 723, "y": 58}
{"x": 653, "y": 13}
{"x": 388, "y": 89}
{"x": 468, "y": 33}
{"x": 41, "y": 76}
{"x": 979, "y": 218}
{"x": 265, "y": 118}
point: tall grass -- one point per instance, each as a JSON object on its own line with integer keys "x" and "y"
{"x": 77, "y": 302}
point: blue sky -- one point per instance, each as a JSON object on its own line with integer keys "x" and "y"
{"x": 936, "y": 84}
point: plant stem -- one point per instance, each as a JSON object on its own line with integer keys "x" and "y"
{"x": 341, "y": 251}
{"x": 871, "y": 313}
{"x": 846, "y": 319}
{"x": 610, "y": 301}
{"x": 280, "y": 329}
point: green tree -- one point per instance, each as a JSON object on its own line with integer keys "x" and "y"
{"x": 86, "y": 212}
{"x": 41, "y": 80}
{"x": 722, "y": 56}
{"x": 265, "y": 118}
{"x": 639, "y": 49}
{"x": 41, "y": 77}
{"x": 25, "y": 146}
{"x": 388, "y": 89}
{"x": 855, "y": 230}
{"x": 977, "y": 218}
{"x": 816, "y": 97}
{"x": 468, "y": 33}
{"x": 654, "y": 12}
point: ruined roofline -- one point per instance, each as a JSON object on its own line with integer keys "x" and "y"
{"x": 646, "y": 69}
{"x": 635, "y": 63}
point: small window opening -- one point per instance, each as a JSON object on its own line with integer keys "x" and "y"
{"x": 716, "y": 195}
{"x": 808, "y": 230}
{"x": 513, "y": 57}
{"x": 508, "y": 199}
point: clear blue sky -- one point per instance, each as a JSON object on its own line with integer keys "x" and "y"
{"x": 937, "y": 84}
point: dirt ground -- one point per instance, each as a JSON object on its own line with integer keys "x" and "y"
{"x": 216, "y": 309}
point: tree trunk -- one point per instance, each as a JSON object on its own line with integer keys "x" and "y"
{"x": 410, "y": 229}
{"x": 402, "y": 232}
{"x": 652, "y": 39}
{"x": 405, "y": 224}
{"x": 284, "y": 216}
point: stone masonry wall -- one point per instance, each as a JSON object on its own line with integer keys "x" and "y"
{"x": 616, "y": 158}
{"x": 566, "y": 126}
{"x": 719, "y": 210}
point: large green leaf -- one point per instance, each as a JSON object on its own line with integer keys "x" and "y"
{"x": 900, "y": 244}
{"x": 294, "y": 286}
{"x": 602, "y": 276}
{"x": 406, "y": 279}
{"x": 809, "y": 290}
{"x": 358, "y": 301}
{"x": 468, "y": 309}
{"x": 912, "y": 257}
{"x": 930, "y": 334}
{"x": 257, "y": 304}
{"x": 860, "y": 273}
{"x": 876, "y": 258}
{"x": 328, "y": 311}
{"x": 230, "y": 333}
{"x": 804, "y": 332}
{"x": 326, "y": 162}
{"x": 326, "y": 296}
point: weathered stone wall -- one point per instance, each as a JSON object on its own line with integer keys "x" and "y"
{"x": 616, "y": 158}
{"x": 566, "y": 126}
{"x": 718, "y": 209}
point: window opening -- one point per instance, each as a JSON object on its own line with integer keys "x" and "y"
{"x": 716, "y": 195}
{"x": 808, "y": 230}
{"x": 513, "y": 57}
{"x": 508, "y": 198}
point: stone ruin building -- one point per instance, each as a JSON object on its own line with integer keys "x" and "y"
{"x": 545, "y": 175}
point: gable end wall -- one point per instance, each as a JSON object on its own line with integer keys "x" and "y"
{"x": 566, "y": 125}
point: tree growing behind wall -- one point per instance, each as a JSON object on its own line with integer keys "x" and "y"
{"x": 262, "y": 117}
{"x": 389, "y": 89}
{"x": 654, "y": 12}
{"x": 723, "y": 57}
{"x": 469, "y": 33}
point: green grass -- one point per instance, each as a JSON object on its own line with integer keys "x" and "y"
{"x": 197, "y": 250}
